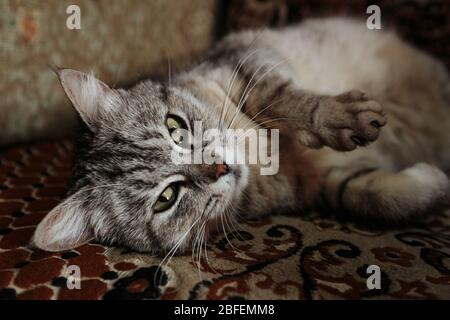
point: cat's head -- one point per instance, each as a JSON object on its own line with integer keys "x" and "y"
{"x": 126, "y": 188}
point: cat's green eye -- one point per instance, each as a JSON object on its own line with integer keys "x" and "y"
{"x": 166, "y": 199}
{"x": 177, "y": 129}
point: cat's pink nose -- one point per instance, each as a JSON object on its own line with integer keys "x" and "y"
{"x": 221, "y": 169}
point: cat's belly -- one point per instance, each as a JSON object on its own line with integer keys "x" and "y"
{"x": 331, "y": 56}
{"x": 300, "y": 166}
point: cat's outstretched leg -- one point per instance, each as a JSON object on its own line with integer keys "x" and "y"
{"x": 377, "y": 194}
{"x": 341, "y": 122}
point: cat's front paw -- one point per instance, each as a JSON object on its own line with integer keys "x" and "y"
{"x": 348, "y": 120}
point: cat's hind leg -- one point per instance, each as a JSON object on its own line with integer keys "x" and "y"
{"x": 374, "y": 194}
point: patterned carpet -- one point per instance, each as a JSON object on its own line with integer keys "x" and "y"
{"x": 278, "y": 257}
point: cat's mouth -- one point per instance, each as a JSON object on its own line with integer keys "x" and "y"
{"x": 217, "y": 215}
{"x": 229, "y": 186}
{"x": 227, "y": 191}
{"x": 240, "y": 174}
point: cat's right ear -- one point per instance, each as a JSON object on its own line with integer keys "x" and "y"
{"x": 63, "y": 228}
{"x": 89, "y": 96}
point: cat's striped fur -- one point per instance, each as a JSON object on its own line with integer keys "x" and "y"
{"x": 329, "y": 85}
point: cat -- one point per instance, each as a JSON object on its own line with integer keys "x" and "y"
{"x": 363, "y": 118}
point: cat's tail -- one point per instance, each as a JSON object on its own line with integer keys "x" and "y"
{"x": 373, "y": 194}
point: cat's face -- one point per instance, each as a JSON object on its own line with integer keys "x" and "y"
{"x": 126, "y": 189}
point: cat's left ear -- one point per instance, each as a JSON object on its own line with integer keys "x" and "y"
{"x": 89, "y": 96}
{"x": 63, "y": 228}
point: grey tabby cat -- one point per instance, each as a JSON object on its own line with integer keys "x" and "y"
{"x": 328, "y": 85}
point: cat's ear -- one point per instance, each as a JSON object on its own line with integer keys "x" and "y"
{"x": 63, "y": 228}
{"x": 86, "y": 93}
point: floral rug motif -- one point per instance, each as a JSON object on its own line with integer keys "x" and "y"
{"x": 277, "y": 257}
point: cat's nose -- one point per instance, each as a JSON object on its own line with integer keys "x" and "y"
{"x": 221, "y": 169}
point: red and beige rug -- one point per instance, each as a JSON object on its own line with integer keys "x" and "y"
{"x": 280, "y": 257}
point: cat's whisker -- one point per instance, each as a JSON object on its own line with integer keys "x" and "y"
{"x": 232, "y": 220}
{"x": 222, "y": 217}
{"x": 175, "y": 248}
{"x": 196, "y": 244}
{"x": 227, "y": 95}
{"x": 205, "y": 242}
{"x": 226, "y": 215}
{"x": 169, "y": 259}
{"x": 199, "y": 251}
{"x": 207, "y": 258}
{"x": 241, "y": 103}
{"x": 230, "y": 226}
{"x": 225, "y": 232}
{"x": 247, "y": 198}
{"x": 264, "y": 122}
{"x": 234, "y": 76}
{"x": 253, "y": 119}
{"x": 194, "y": 247}
{"x": 237, "y": 227}
{"x": 244, "y": 93}
{"x": 202, "y": 240}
